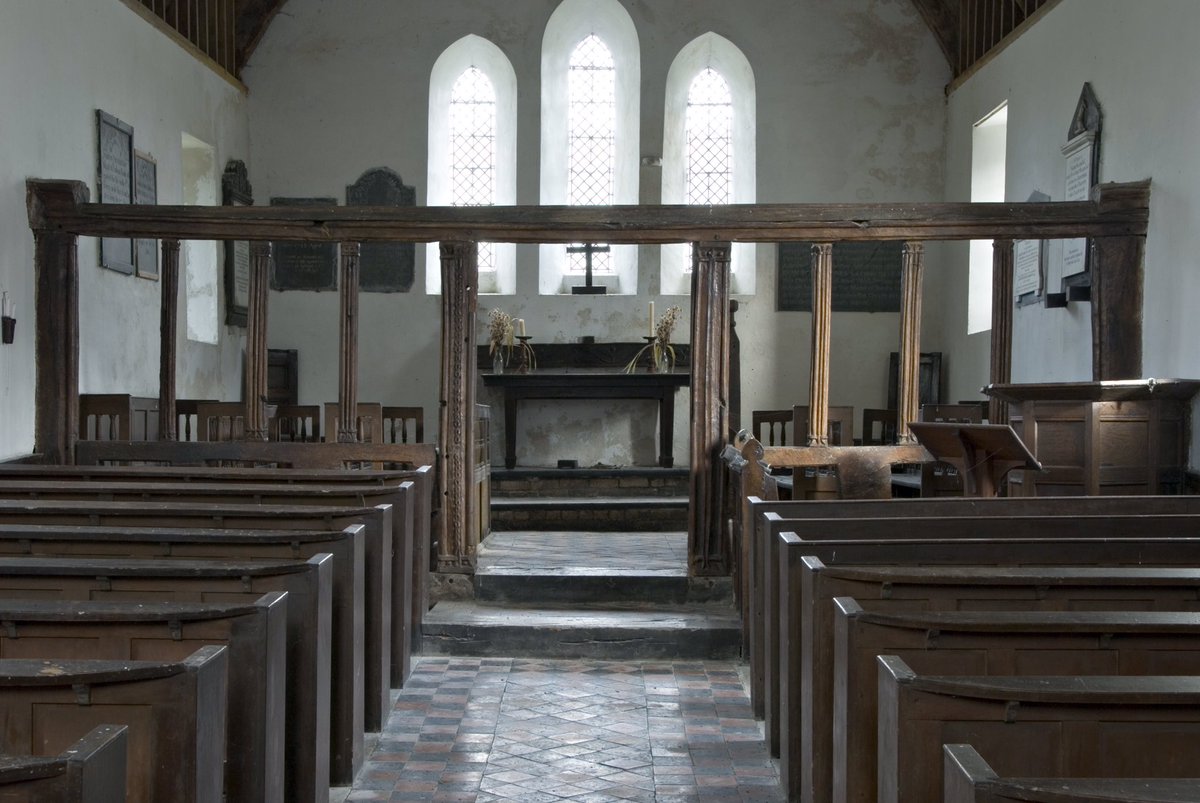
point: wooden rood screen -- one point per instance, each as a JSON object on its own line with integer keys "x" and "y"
{"x": 1116, "y": 221}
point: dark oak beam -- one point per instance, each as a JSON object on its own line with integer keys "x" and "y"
{"x": 942, "y": 17}
{"x": 1118, "y": 210}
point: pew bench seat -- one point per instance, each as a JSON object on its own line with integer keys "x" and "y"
{"x": 92, "y": 770}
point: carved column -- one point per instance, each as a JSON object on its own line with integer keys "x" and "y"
{"x": 347, "y": 424}
{"x": 456, "y": 430}
{"x": 708, "y": 551}
{"x": 822, "y": 324}
{"x": 167, "y": 321}
{"x": 1002, "y": 325}
{"x": 255, "y": 394}
{"x": 908, "y": 391}
{"x": 56, "y": 269}
{"x": 1117, "y": 272}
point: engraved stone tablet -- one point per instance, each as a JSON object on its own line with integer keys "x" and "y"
{"x": 145, "y": 191}
{"x": 1027, "y": 267}
{"x": 304, "y": 265}
{"x": 866, "y": 277}
{"x": 114, "y": 177}
{"x": 236, "y": 191}
{"x": 384, "y": 267}
{"x": 1082, "y": 153}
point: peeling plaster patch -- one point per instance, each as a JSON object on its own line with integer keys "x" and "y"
{"x": 876, "y": 37}
{"x": 899, "y": 162}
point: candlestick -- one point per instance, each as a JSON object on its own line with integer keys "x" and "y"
{"x": 651, "y": 319}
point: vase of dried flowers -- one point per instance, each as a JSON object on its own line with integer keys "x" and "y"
{"x": 658, "y": 346}
{"x": 500, "y": 338}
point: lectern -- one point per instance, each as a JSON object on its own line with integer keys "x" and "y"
{"x": 982, "y": 453}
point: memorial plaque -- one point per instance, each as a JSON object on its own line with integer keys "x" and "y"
{"x": 1029, "y": 263}
{"x": 384, "y": 267}
{"x": 145, "y": 191}
{"x": 304, "y": 265}
{"x": 1082, "y": 153}
{"x": 114, "y": 179}
{"x": 866, "y": 277}
{"x": 236, "y": 191}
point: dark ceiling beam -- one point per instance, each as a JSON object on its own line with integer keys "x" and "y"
{"x": 253, "y": 17}
{"x": 942, "y": 18}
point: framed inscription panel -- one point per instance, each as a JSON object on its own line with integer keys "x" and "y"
{"x": 866, "y": 276}
{"x": 145, "y": 191}
{"x": 384, "y": 267}
{"x": 1082, "y": 155}
{"x": 236, "y": 191}
{"x": 300, "y": 265}
{"x": 114, "y": 184}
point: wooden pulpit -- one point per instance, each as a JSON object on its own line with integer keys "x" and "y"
{"x": 982, "y": 453}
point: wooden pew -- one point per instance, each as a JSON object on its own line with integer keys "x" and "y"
{"x": 92, "y": 770}
{"x": 117, "y": 417}
{"x": 255, "y": 634}
{"x": 308, "y": 585}
{"x": 969, "y": 779}
{"x": 423, "y": 505}
{"x": 872, "y": 570}
{"x": 1087, "y": 727}
{"x": 1003, "y": 642}
{"x": 925, "y": 519}
{"x": 371, "y": 573}
{"x": 400, "y": 496}
{"x": 175, "y": 713}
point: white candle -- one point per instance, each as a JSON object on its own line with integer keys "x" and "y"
{"x": 651, "y": 319}
{"x": 4, "y": 305}
{"x": 520, "y": 327}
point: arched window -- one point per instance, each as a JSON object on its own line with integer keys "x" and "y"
{"x": 591, "y": 131}
{"x": 473, "y": 148}
{"x": 591, "y": 73}
{"x": 708, "y": 147}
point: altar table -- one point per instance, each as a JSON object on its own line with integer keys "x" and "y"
{"x": 568, "y": 384}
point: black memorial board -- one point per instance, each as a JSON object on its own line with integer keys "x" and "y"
{"x": 114, "y": 180}
{"x": 145, "y": 191}
{"x": 236, "y": 191}
{"x": 384, "y": 267}
{"x": 304, "y": 265}
{"x": 866, "y": 277}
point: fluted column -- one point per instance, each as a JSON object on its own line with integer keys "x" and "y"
{"x": 255, "y": 394}
{"x": 456, "y": 430}
{"x": 908, "y": 395}
{"x": 348, "y": 344}
{"x": 1002, "y": 323}
{"x": 167, "y": 328}
{"x": 822, "y": 327}
{"x": 708, "y": 553}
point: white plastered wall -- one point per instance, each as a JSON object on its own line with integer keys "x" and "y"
{"x": 1140, "y": 60}
{"x": 850, "y": 107}
{"x": 60, "y": 60}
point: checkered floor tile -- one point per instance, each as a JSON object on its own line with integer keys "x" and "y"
{"x": 487, "y": 729}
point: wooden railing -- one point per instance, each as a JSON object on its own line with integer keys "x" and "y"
{"x": 1116, "y": 220}
{"x": 985, "y": 24}
{"x": 209, "y": 25}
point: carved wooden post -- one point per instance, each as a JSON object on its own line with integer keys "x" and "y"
{"x": 456, "y": 430}
{"x": 348, "y": 339}
{"x": 56, "y": 265}
{"x": 1117, "y": 269}
{"x": 708, "y": 552}
{"x": 1002, "y": 323}
{"x": 255, "y": 393}
{"x": 822, "y": 323}
{"x": 908, "y": 391}
{"x": 168, "y": 315}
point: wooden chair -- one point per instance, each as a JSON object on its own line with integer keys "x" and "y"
{"x": 368, "y": 424}
{"x": 403, "y": 425}
{"x": 220, "y": 421}
{"x": 770, "y": 427}
{"x": 187, "y": 413}
{"x": 878, "y": 427}
{"x": 295, "y": 422}
{"x": 939, "y": 478}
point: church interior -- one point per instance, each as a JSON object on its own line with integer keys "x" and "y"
{"x": 598, "y": 400}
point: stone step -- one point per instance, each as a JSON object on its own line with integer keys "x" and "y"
{"x": 589, "y": 513}
{"x": 601, "y": 585}
{"x": 588, "y": 482}
{"x": 691, "y": 632}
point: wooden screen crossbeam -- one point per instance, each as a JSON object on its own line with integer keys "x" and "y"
{"x": 1119, "y": 210}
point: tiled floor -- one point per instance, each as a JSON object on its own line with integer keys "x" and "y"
{"x": 485, "y": 729}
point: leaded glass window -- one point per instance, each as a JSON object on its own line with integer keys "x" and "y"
{"x": 592, "y": 115}
{"x": 708, "y": 141}
{"x": 473, "y": 148}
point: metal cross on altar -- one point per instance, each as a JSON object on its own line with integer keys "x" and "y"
{"x": 587, "y": 249}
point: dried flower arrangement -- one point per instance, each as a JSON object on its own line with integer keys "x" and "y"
{"x": 500, "y": 335}
{"x": 662, "y": 354}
